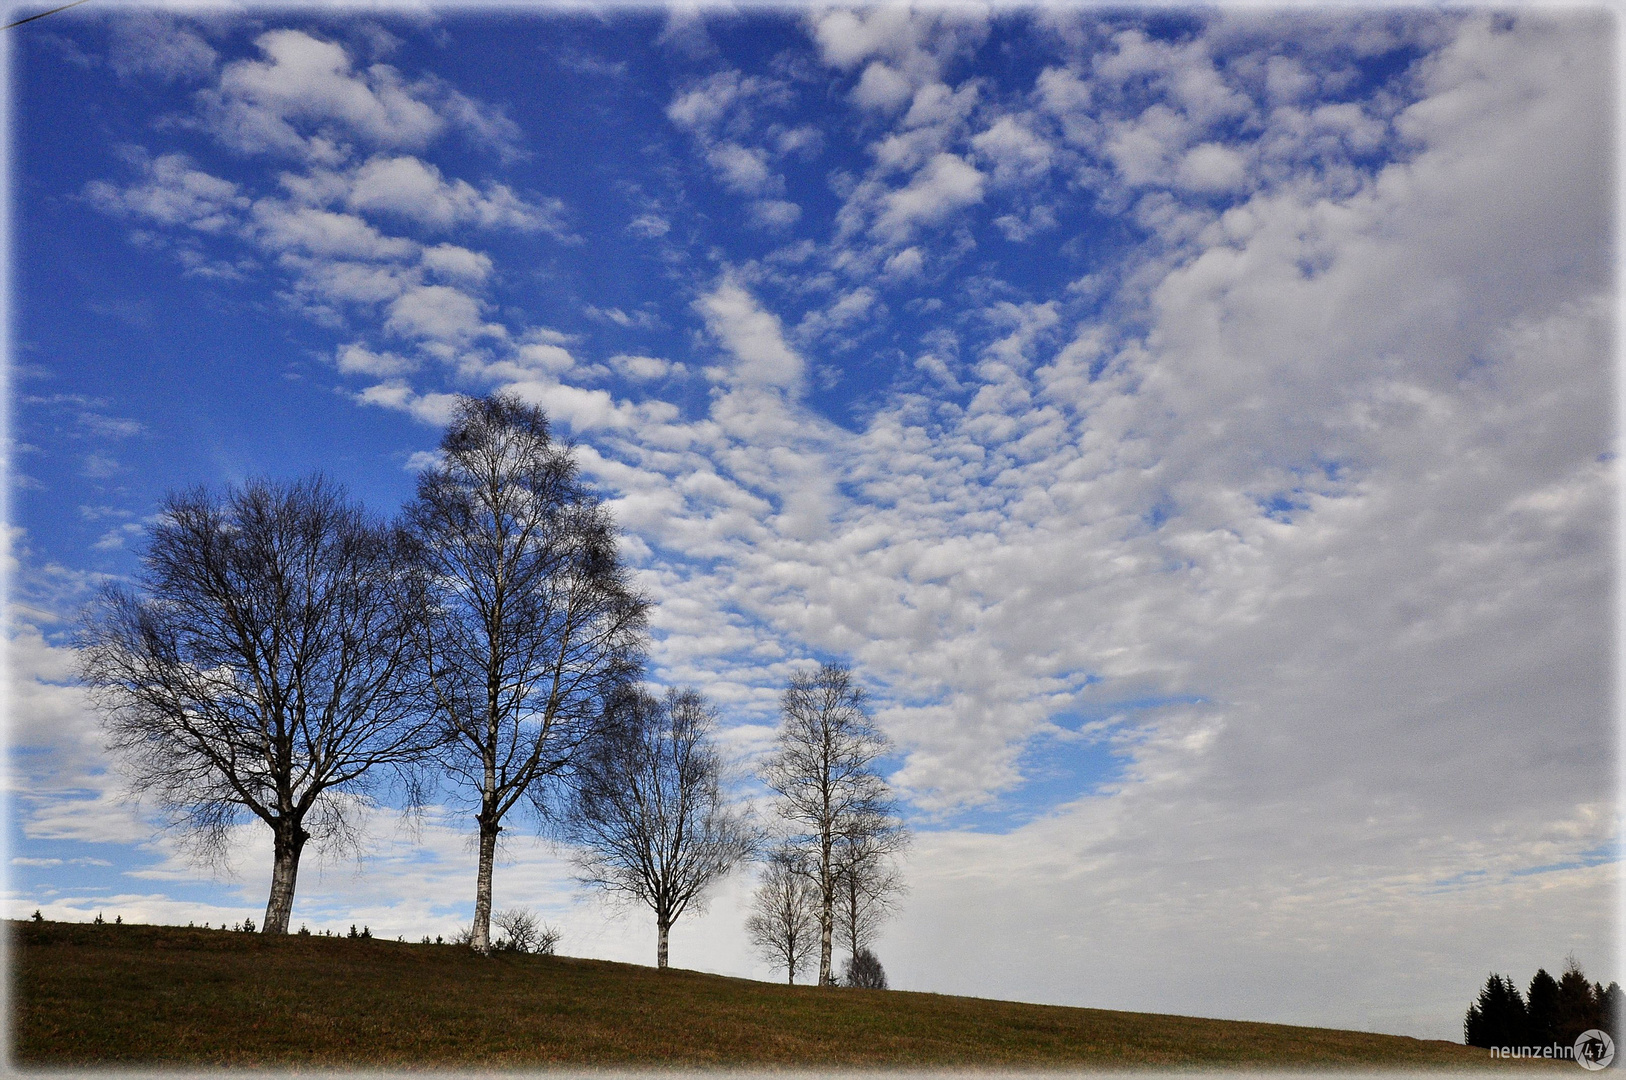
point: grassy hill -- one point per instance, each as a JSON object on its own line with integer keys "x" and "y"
{"x": 167, "y": 996}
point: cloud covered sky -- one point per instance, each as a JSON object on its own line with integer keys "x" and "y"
{"x": 1197, "y": 431}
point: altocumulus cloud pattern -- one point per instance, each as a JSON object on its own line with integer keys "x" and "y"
{"x": 1195, "y": 430}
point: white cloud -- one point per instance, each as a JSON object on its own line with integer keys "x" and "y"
{"x": 753, "y": 336}
{"x": 905, "y": 263}
{"x": 307, "y": 99}
{"x": 114, "y": 538}
{"x": 916, "y": 42}
{"x": 436, "y": 409}
{"x": 545, "y": 356}
{"x": 850, "y": 308}
{"x": 1184, "y": 71}
{"x": 773, "y": 213}
{"x": 172, "y": 192}
{"x": 1212, "y": 167}
{"x": 805, "y": 141}
{"x": 645, "y": 367}
{"x": 708, "y": 106}
{"x": 310, "y": 231}
{"x": 324, "y": 281}
{"x": 156, "y": 44}
{"x": 1019, "y": 227}
{"x": 356, "y": 359}
{"x": 307, "y": 83}
{"x": 945, "y": 185}
{"x": 883, "y": 88}
{"x": 59, "y": 783}
{"x": 1066, "y": 96}
{"x": 485, "y": 124}
{"x": 1286, "y": 79}
{"x": 332, "y": 256}
{"x": 645, "y": 319}
{"x": 421, "y": 460}
{"x": 1141, "y": 148}
{"x": 1016, "y": 153}
{"x": 721, "y": 114}
{"x": 936, "y": 104}
{"x": 414, "y": 189}
{"x": 745, "y": 170}
{"x": 649, "y": 226}
{"x": 438, "y": 313}
{"x": 457, "y": 263}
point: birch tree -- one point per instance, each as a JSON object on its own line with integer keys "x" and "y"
{"x": 259, "y": 668}
{"x": 823, "y": 770}
{"x": 784, "y": 922}
{"x": 650, "y": 815}
{"x": 531, "y": 622}
{"x": 868, "y": 882}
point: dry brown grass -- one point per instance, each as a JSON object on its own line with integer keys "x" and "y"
{"x": 168, "y": 996}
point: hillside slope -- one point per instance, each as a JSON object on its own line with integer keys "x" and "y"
{"x": 155, "y": 995}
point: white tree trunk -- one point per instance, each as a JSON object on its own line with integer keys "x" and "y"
{"x": 288, "y": 843}
{"x": 826, "y": 925}
{"x": 481, "y": 940}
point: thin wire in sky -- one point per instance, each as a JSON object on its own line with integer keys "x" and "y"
{"x": 42, "y": 14}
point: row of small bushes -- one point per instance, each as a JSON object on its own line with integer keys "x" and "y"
{"x": 519, "y": 931}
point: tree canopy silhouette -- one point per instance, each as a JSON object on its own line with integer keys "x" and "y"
{"x": 260, "y": 667}
{"x": 650, "y": 815}
{"x": 531, "y": 624}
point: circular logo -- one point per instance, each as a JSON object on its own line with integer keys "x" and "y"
{"x": 1594, "y": 1049}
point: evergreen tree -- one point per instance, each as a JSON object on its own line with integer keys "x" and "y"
{"x": 1473, "y": 1025}
{"x": 1541, "y": 1004}
{"x": 1609, "y": 1002}
{"x": 1578, "y": 1006}
{"x": 1498, "y": 1018}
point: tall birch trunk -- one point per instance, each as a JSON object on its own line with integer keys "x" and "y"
{"x": 289, "y": 841}
{"x": 826, "y": 922}
{"x": 660, "y": 953}
{"x": 480, "y": 942}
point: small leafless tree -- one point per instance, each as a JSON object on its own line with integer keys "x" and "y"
{"x": 650, "y": 817}
{"x": 823, "y": 770}
{"x": 522, "y": 933}
{"x": 260, "y": 667}
{"x": 531, "y": 621}
{"x": 868, "y": 884}
{"x": 784, "y": 922}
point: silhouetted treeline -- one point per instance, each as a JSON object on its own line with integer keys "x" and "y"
{"x": 1552, "y": 1012}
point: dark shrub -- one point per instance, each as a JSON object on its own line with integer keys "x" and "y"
{"x": 864, "y": 972}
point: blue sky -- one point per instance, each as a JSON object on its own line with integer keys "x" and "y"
{"x": 1195, "y": 429}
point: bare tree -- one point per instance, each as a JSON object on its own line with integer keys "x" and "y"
{"x": 531, "y": 621}
{"x": 259, "y": 668}
{"x": 823, "y": 770}
{"x": 868, "y": 884}
{"x": 649, "y": 814}
{"x": 784, "y": 923}
{"x": 522, "y": 933}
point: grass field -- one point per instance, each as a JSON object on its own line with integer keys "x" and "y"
{"x": 168, "y": 996}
